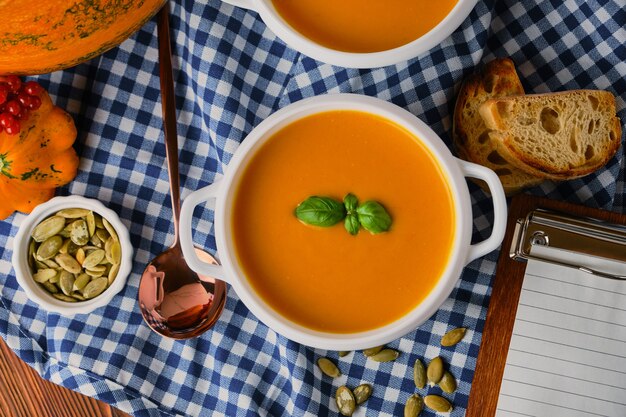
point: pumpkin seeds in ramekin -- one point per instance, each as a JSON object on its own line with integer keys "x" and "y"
{"x": 74, "y": 255}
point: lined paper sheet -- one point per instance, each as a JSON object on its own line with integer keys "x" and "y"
{"x": 567, "y": 356}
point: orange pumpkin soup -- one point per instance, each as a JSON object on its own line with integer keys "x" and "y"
{"x": 363, "y": 25}
{"x": 322, "y": 277}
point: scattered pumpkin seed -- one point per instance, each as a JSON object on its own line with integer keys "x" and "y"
{"x": 362, "y": 393}
{"x": 447, "y": 383}
{"x": 434, "y": 372}
{"x": 95, "y": 287}
{"x": 419, "y": 374}
{"x": 343, "y": 353}
{"x": 414, "y": 406}
{"x": 453, "y": 337}
{"x": 385, "y": 355}
{"x": 437, "y": 403}
{"x": 372, "y": 351}
{"x": 48, "y": 228}
{"x": 346, "y": 403}
{"x": 328, "y": 367}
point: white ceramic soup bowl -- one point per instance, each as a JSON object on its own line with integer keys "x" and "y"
{"x": 222, "y": 194}
{"x": 301, "y": 43}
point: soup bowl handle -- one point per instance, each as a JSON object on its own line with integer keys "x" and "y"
{"x": 499, "y": 208}
{"x": 202, "y": 195}
{"x": 246, "y": 4}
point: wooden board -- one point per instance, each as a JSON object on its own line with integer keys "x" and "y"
{"x": 24, "y": 393}
{"x": 507, "y": 287}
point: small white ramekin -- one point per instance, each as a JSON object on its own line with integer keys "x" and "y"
{"x": 25, "y": 277}
{"x": 301, "y": 43}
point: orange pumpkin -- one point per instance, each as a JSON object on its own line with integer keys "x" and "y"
{"x": 38, "y": 159}
{"x": 44, "y": 36}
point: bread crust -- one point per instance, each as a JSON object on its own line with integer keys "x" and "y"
{"x": 498, "y": 78}
{"x": 511, "y": 151}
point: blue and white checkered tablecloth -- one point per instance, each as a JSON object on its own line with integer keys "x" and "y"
{"x": 231, "y": 73}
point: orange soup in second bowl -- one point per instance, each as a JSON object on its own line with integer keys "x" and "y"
{"x": 363, "y": 26}
{"x": 324, "y": 278}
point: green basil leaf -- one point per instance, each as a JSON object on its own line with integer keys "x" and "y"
{"x": 373, "y": 217}
{"x": 351, "y": 203}
{"x": 352, "y": 224}
{"x": 320, "y": 211}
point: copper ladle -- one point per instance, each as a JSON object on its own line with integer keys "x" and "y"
{"x": 175, "y": 301}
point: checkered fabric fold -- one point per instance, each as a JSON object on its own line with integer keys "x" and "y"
{"x": 231, "y": 73}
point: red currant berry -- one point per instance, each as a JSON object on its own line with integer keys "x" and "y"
{"x": 14, "y": 107}
{"x": 34, "y": 103}
{"x": 4, "y": 93}
{"x": 13, "y": 128}
{"x": 5, "y": 119}
{"x": 24, "y": 99}
{"x": 14, "y": 83}
{"x": 24, "y": 114}
{"x": 32, "y": 88}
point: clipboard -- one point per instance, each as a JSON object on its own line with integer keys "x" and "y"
{"x": 508, "y": 282}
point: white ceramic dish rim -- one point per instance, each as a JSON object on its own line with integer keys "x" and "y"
{"x": 461, "y": 253}
{"x": 20, "y": 256}
{"x": 299, "y": 42}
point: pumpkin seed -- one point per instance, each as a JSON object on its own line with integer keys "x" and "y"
{"x": 64, "y": 297}
{"x": 419, "y": 374}
{"x": 91, "y": 223}
{"x": 113, "y": 273}
{"x": 49, "y": 247}
{"x": 44, "y": 275}
{"x": 48, "y": 228}
{"x": 55, "y": 279}
{"x": 414, "y": 406}
{"x": 94, "y": 274}
{"x": 99, "y": 224}
{"x": 110, "y": 229}
{"x": 80, "y": 256}
{"x": 66, "y": 282}
{"x": 346, "y": 403}
{"x": 116, "y": 253}
{"x": 31, "y": 253}
{"x": 95, "y": 240}
{"x": 438, "y": 404}
{"x": 362, "y": 393}
{"x": 51, "y": 288}
{"x": 328, "y": 367}
{"x": 103, "y": 235}
{"x": 81, "y": 281}
{"x": 51, "y": 264}
{"x": 343, "y": 353}
{"x": 385, "y": 355}
{"x": 453, "y": 337}
{"x": 95, "y": 288}
{"x": 372, "y": 351}
{"x": 40, "y": 265}
{"x": 447, "y": 383}
{"x": 79, "y": 233}
{"x": 68, "y": 263}
{"x": 73, "y": 213}
{"x": 78, "y": 296}
{"x": 93, "y": 259}
{"x": 434, "y": 372}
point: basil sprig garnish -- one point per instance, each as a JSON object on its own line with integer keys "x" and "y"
{"x": 326, "y": 212}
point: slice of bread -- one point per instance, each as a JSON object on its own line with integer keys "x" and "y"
{"x": 556, "y": 136}
{"x": 470, "y": 134}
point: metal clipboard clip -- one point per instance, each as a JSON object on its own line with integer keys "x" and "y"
{"x": 583, "y": 235}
